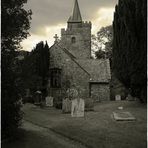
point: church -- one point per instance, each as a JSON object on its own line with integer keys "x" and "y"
{"x": 71, "y": 63}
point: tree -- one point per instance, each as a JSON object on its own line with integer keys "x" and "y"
{"x": 35, "y": 69}
{"x": 15, "y": 25}
{"x": 129, "y": 46}
{"x": 100, "y": 54}
{"x": 103, "y": 42}
{"x": 42, "y": 60}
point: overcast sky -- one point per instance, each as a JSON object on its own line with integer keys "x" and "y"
{"x": 49, "y": 16}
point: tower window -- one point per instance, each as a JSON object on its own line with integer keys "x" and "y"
{"x": 55, "y": 78}
{"x": 73, "y": 40}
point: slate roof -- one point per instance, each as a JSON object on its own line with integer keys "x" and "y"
{"x": 98, "y": 70}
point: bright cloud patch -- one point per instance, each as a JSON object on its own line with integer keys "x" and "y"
{"x": 43, "y": 34}
{"x": 104, "y": 17}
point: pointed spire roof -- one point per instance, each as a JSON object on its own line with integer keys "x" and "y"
{"x": 76, "y": 15}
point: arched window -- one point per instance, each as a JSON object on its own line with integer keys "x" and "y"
{"x": 55, "y": 78}
{"x": 73, "y": 40}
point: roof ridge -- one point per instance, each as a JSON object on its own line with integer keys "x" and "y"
{"x": 67, "y": 51}
{"x": 73, "y": 58}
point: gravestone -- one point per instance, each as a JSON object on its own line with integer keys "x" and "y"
{"x": 123, "y": 116}
{"x": 49, "y": 101}
{"x": 130, "y": 98}
{"x": 27, "y": 92}
{"x": 77, "y": 108}
{"x": 66, "y": 105}
{"x": 118, "y": 98}
{"x": 89, "y": 104}
{"x": 38, "y": 98}
{"x": 120, "y": 108}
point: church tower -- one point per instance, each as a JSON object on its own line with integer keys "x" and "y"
{"x": 77, "y": 36}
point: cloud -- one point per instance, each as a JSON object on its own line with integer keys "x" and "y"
{"x": 53, "y": 12}
{"x": 50, "y": 15}
{"x": 104, "y": 17}
{"x": 44, "y": 34}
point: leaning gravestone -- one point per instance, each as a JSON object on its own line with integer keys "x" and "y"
{"x": 49, "y": 101}
{"x": 77, "y": 108}
{"x": 118, "y": 98}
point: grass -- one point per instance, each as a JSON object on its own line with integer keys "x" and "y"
{"x": 30, "y": 139}
{"x": 98, "y": 129}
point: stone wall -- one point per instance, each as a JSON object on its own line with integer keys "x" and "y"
{"x": 100, "y": 92}
{"x": 82, "y": 47}
{"x": 66, "y": 55}
{"x": 71, "y": 71}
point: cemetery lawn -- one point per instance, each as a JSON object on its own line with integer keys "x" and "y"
{"x": 98, "y": 129}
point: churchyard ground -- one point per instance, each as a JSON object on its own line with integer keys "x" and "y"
{"x": 97, "y": 130}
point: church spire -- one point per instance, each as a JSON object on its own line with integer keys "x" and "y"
{"x": 76, "y": 15}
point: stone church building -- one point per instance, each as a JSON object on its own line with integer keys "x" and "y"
{"x": 71, "y": 62}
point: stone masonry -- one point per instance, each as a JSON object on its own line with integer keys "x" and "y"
{"x": 71, "y": 63}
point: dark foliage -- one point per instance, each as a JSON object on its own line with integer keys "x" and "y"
{"x": 15, "y": 25}
{"x": 100, "y": 54}
{"x": 42, "y": 60}
{"x": 129, "y": 45}
{"x": 35, "y": 69}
